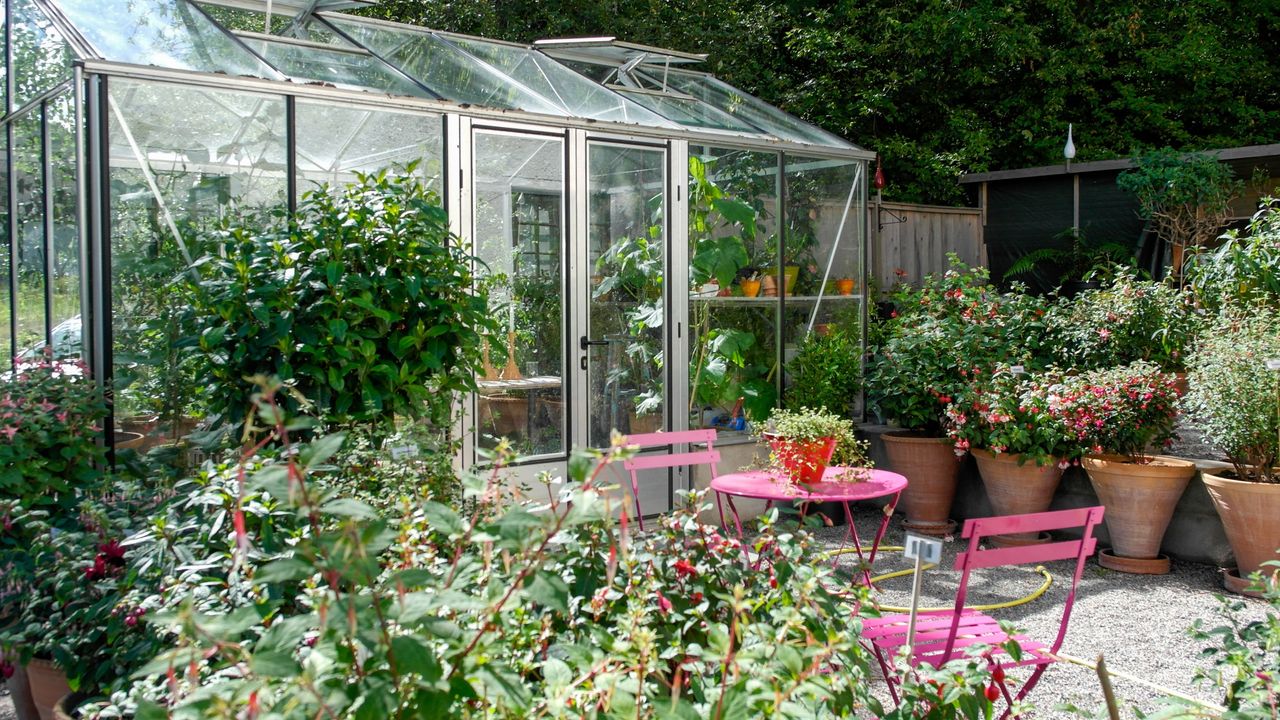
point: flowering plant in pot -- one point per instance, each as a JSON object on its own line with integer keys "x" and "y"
{"x": 1008, "y": 422}
{"x": 952, "y": 331}
{"x": 1235, "y": 399}
{"x": 1121, "y": 415}
{"x": 803, "y": 441}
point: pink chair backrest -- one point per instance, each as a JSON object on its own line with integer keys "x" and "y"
{"x": 709, "y": 457}
{"x": 976, "y": 557}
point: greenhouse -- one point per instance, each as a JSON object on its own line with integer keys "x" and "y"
{"x": 660, "y": 240}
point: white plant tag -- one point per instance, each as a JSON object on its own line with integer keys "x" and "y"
{"x": 926, "y": 549}
{"x": 1273, "y": 364}
{"x": 1017, "y": 370}
{"x": 403, "y": 452}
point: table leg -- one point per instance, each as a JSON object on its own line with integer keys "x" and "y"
{"x": 720, "y": 509}
{"x": 737, "y": 522}
{"x": 884, "y": 525}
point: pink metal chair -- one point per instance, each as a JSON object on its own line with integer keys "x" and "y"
{"x": 943, "y": 635}
{"x": 708, "y": 457}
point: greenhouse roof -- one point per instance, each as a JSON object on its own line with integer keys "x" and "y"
{"x": 585, "y": 79}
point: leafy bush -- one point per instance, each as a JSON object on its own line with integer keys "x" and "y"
{"x": 1127, "y": 321}
{"x": 365, "y": 300}
{"x": 1186, "y": 196}
{"x": 1006, "y": 413}
{"x": 953, "y": 330}
{"x": 512, "y": 611}
{"x": 827, "y": 372}
{"x": 1232, "y": 395}
{"x": 50, "y": 421}
{"x": 1244, "y": 270}
{"x": 805, "y": 424}
{"x": 1127, "y": 410}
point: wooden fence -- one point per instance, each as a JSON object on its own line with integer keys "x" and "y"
{"x": 917, "y": 238}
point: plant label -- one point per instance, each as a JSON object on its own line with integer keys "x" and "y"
{"x": 1017, "y": 370}
{"x": 1273, "y": 364}
{"x": 926, "y": 549}
{"x": 404, "y": 452}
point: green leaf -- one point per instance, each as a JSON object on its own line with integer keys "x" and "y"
{"x": 549, "y": 590}
{"x": 284, "y": 570}
{"x": 349, "y": 508}
{"x": 412, "y": 655}
{"x": 443, "y": 519}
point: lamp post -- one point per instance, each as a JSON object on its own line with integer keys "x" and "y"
{"x": 1069, "y": 152}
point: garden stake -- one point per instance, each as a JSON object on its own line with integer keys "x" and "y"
{"x": 1107, "y": 692}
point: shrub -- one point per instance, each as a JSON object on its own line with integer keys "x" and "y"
{"x": 1127, "y": 321}
{"x": 512, "y": 611}
{"x": 1127, "y": 410}
{"x": 1244, "y": 270}
{"x": 805, "y": 424}
{"x": 827, "y": 372}
{"x": 954, "y": 330}
{"x": 50, "y": 421}
{"x": 365, "y": 300}
{"x": 1006, "y": 413}
{"x": 1232, "y": 395}
{"x": 1186, "y": 196}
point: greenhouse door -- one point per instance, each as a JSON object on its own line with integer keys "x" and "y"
{"x": 624, "y": 341}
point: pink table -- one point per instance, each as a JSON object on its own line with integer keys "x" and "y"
{"x": 773, "y": 486}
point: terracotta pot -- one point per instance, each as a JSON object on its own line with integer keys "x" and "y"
{"x": 1016, "y": 489}
{"x": 844, "y": 286}
{"x": 790, "y": 274}
{"x": 20, "y": 694}
{"x": 65, "y": 709}
{"x": 1140, "y": 499}
{"x": 930, "y": 466}
{"x": 1249, "y": 512}
{"x": 48, "y": 686}
{"x": 768, "y": 286}
{"x": 503, "y": 415}
{"x": 804, "y": 460}
{"x": 750, "y": 288}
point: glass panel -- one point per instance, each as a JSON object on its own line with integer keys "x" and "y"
{"x": 519, "y": 234}
{"x": 626, "y": 190}
{"x": 444, "y": 69}
{"x": 749, "y": 109}
{"x": 167, "y": 33}
{"x": 690, "y": 113}
{"x": 824, "y": 230}
{"x": 181, "y": 157}
{"x": 65, "y": 281}
{"x": 352, "y": 69}
{"x": 41, "y": 57}
{"x": 256, "y": 21}
{"x": 574, "y": 94}
{"x": 28, "y": 177}
{"x": 4, "y": 68}
{"x": 733, "y": 286}
{"x": 336, "y": 141}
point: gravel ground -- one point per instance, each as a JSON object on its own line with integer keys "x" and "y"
{"x": 1137, "y": 622}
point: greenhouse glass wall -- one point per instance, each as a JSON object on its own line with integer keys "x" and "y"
{"x": 662, "y": 240}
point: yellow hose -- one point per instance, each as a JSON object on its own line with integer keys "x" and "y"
{"x": 1044, "y": 586}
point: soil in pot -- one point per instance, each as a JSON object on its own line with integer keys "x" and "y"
{"x": 931, "y": 467}
{"x": 1017, "y": 489}
{"x": 1248, "y": 511}
{"x": 48, "y": 686}
{"x": 1140, "y": 499}
{"x": 804, "y": 460}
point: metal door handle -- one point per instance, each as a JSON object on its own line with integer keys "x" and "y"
{"x": 584, "y": 343}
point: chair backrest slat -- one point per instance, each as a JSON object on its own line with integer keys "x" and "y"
{"x": 1031, "y": 522}
{"x": 648, "y": 462}
{"x": 672, "y": 438}
{"x": 1020, "y": 555}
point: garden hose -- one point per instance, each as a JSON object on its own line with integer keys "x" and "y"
{"x": 1044, "y": 586}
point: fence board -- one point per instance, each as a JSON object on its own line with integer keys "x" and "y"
{"x": 920, "y": 244}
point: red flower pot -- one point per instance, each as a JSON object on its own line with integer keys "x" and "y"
{"x": 804, "y": 460}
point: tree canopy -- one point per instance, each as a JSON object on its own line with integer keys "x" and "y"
{"x": 944, "y": 87}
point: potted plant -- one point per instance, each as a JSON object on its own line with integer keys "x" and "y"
{"x": 1020, "y": 442}
{"x": 803, "y": 441}
{"x": 750, "y": 285}
{"x": 1121, "y": 415}
{"x": 1234, "y": 397}
{"x": 845, "y": 285}
{"x": 827, "y": 371}
{"x": 1122, "y": 322}
{"x": 952, "y": 331}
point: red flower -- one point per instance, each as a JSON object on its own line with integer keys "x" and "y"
{"x": 685, "y": 569}
{"x": 97, "y": 570}
{"x": 997, "y": 673}
{"x": 664, "y": 605}
{"x": 112, "y": 551}
{"x": 992, "y": 692}
{"x": 6, "y": 670}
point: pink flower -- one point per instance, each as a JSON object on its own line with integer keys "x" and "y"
{"x": 685, "y": 569}
{"x": 1104, "y": 333}
{"x": 9, "y": 431}
{"x": 664, "y": 605}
